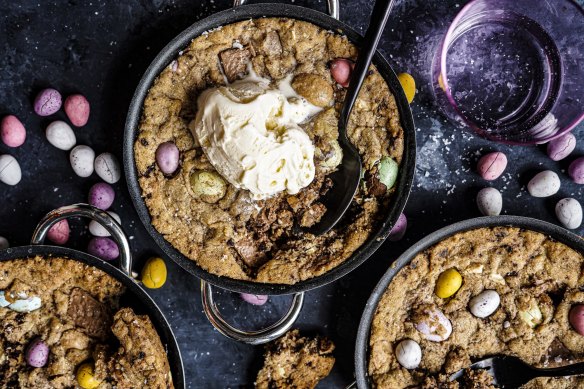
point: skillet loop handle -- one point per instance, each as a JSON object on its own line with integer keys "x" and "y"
{"x": 93, "y": 213}
{"x": 262, "y": 336}
{"x": 332, "y": 6}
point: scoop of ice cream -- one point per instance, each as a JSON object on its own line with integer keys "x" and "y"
{"x": 250, "y": 133}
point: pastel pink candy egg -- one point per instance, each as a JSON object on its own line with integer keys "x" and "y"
{"x": 561, "y": 147}
{"x": 255, "y": 299}
{"x": 576, "y": 318}
{"x": 12, "y": 131}
{"x": 399, "y": 229}
{"x": 59, "y": 232}
{"x": 492, "y": 165}
{"x": 77, "y": 109}
{"x": 576, "y": 170}
{"x": 341, "y": 69}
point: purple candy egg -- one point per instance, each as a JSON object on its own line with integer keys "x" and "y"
{"x": 167, "y": 157}
{"x": 255, "y": 299}
{"x": 37, "y": 353}
{"x": 102, "y": 195}
{"x": 103, "y": 248}
{"x": 576, "y": 170}
{"x": 561, "y": 147}
{"x": 47, "y": 102}
{"x": 399, "y": 229}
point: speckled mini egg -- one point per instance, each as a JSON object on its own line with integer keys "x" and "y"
{"x": 433, "y": 324}
{"x": 59, "y": 232}
{"x": 576, "y": 318}
{"x": 81, "y": 158}
{"x": 60, "y": 135}
{"x": 492, "y": 165}
{"x": 544, "y": 184}
{"x": 107, "y": 168}
{"x": 484, "y": 304}
{"x": 408, "y": 353}
{"x": 490, "y": 201}
{"x": 12, "y": 131}
{"x": 96, "y": 229}
{"x": 569, "y": 213}
{"x": 10, "y": 172}
{"x": 77, "y": 109}
{"x": 255, "y": 299}
{"x": 37, "y": 353}
{"x": 47, "y": 102}
{"x": 167, "y": 157}
{"x": 101, "y": 195}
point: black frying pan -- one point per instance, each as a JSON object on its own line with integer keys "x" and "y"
{"x": 362, "y": 346}
{"x": 245, "y": 12}
{"x": 134, "y": 297}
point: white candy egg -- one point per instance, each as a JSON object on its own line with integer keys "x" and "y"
{"x": 408, "y": 354}
{"x": 485, "y": 303}
{"x": 60, "y": 135}
{"x": 108, "y": 168}
{"x": 544, "y": 184}
{"x": 10, "y": 172}
{"x": 97, "y": 229}
{"x": 569, "y": 213}
{"x": 490, "y": 201}
{"x": 432, "y": 323}
{"x": 81, "y": 159}
{"x": 4, "y": 244}
{"x": 3, "y": 301}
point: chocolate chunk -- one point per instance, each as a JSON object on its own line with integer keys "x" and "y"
{"x": 375, "y": 187}
{"x": 89, "y": 314}
{"x": 234, "y": 62}
{"x": 272, "y": 44}
{"x": 249, "y": 251}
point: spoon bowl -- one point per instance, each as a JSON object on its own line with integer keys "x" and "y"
{"x": 347, "y": 177}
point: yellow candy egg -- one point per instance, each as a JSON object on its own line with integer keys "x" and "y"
{"x": 154, "y": 273}
{"x": 85, "y": 376}
{"x": 448, "y": 283}
{"x": 409, "y": 84}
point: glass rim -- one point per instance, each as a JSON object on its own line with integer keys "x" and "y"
{"x": 446, "y": 87}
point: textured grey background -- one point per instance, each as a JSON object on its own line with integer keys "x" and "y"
{"x": 101, "y": 49}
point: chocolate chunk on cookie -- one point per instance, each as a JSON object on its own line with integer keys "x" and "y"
{"x": 89, "y": 314}
{"x": 234, "y": 62}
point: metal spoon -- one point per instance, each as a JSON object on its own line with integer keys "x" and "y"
{"x": 347, "y": 177}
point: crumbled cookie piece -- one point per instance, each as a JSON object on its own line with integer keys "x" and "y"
{"x": 141, "y": 360}
{"x": 271, "y": 44}
{"x": 296, "y": 362}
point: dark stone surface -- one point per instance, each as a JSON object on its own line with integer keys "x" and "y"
{"x": 101, "y": 49}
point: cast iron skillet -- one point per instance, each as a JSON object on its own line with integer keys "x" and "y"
{"x": 170, "y": 52}
{"x": 362, "y": 346}
{"x": 134, "y": 297}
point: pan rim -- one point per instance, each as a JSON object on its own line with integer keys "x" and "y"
{"x": 554, "y": 231}
{"x": 170, "y": 51}
{"x": 154, "y": 312}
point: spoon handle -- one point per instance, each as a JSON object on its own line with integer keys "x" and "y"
{"x": 379, "y": 15}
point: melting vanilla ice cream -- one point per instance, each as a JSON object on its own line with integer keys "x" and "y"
{"x": 250, "y": 132}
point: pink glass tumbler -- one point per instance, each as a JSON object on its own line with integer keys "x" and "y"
{"x": 513, "y": 70}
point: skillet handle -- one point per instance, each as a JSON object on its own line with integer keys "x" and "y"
{"x": 262, "y": 336}
{"x": 93, "y": 213}
{"x": 332, "y": 6}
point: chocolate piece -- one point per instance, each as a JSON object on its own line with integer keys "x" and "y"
{"x": 234, "y": 62}
{"x": 89, "y": 314}
{"x": 272, "y": 44}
